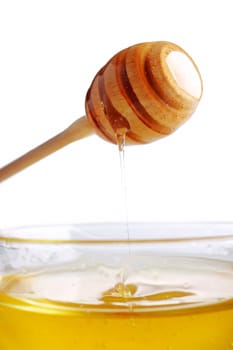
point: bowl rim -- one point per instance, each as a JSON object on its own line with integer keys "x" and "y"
{"x": 124, "y": 233}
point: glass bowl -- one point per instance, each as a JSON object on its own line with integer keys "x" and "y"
{"x": 89, "y": 287}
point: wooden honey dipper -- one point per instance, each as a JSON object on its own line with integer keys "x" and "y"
{"x": 144, "y": 92}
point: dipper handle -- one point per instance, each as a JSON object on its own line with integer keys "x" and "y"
{"x": 79, "y": 129}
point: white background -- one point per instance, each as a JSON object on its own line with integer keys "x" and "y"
{"x": 49, "y": 54}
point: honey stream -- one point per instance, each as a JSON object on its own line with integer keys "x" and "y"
{"x": 121, "y": 136}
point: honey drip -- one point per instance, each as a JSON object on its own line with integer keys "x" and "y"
{"x": 119, "y": 292}
{"x": 120, "y": 137}
{"x": 127, "y": 293}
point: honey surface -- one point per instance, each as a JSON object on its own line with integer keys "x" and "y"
{"x": 49, "y": 311}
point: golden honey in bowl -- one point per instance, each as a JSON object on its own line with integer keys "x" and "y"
{"x": 163, "y": 295}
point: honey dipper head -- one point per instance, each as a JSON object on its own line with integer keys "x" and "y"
{"x": 146, "y": 91}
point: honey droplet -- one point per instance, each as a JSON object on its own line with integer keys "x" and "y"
{"x": 118, "y": 292}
